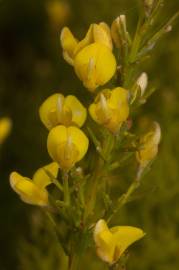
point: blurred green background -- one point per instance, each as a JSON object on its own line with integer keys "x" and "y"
{"x": 32, "y": 68}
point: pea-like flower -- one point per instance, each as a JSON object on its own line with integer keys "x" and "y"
{"x": 96, "y": 33}
{"x": 149, "y": 143}
{"x": 112, "y": 242}
{"x": 110, "y": 108}
{"x": 58, "y": 109}
{"x": 34, "y": 191}
{"x": 95, "y": 65}
{"x": 5, "y": 128}
{"x": 92, "y": 57}
{"x": 67, "y": 145}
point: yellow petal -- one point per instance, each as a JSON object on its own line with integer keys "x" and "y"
{"x": 118, "y": 30}
{"x": 79, "y": 112}
{"x": 86, "y": 41}
{"x": 5, "y": 128}
{"x": 110, "y": 108}
{"x": 106, "y": 28}
{"x": 101, "y": 34}
{"x": 111, "y": 243}
{"x": 95, "y": 65}
{"x": 126, "y": 236}
{"x": 48, "y": 111}
{"x": 58, "y": 109}
{"x": 149, "y": 145}
{"x": 68, "y": 42}
{"x": 67, "y": 145}
{"x": 99, "y": 227}
{"x": 80, "y": 140}
{"x": 105, "y": 245}
{"x": 118, "y": 102}
{"x": 41, "y": 178}
{"x": 92, "y": 111}
{"x": 27, "y": 190}
{"x": 118, "y": 96}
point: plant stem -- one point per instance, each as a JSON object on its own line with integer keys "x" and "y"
{"x": 125, "y": 197}
{"x": 73, "y": 262}
{"x": 66, "y": 188}
{"x": 92, "y": 194}
{"x": 57, "y": 184}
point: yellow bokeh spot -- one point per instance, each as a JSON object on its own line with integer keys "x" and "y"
{"x": 5, "y": 128}
{"x": 58, "y": 12}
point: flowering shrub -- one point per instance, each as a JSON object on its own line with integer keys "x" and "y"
{"x": 88, "y": 142}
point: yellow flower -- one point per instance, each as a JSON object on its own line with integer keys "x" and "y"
{"x": 5, "y": 128}
{"x": 111, "y": 243}
{"x": 58, "y": 109}
{"x": 149, "y": 145}
{"x": 67, "y": 145}
{"x": 95, "y": 65}
{"x": 110, "y": 108}
{"x": 92, "y": 57}
{"x": 96, "y": 33}
{"x": 34, "y": 191}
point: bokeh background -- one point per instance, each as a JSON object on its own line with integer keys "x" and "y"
{"x": 32, "y": 68}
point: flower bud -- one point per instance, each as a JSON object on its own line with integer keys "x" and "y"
{"x": 110, "y": 108}
{"x": 148, "y": 5}
{"x": 142, "y": 82}
{"x": 34, "y": 191}
{"x": 111, "y": 243}
{"x": 67, "y": 145}
{"x": 149, "y": 145}
{"x": 119, "y": 30}
{"x": 58, "y": 109}
{"x": 5, "y": 128}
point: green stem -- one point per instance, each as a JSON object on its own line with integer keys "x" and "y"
{"x": 92, "y": 194}
{"x": 66, "y": 188}
{"x": 125, "y": 197}
{"x": 57, "y": 184}
{"x": 73, "y": 262}
{"x": 54, "y": 180}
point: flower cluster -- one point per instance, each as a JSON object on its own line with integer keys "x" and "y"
{"x": 108, "y": 128}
